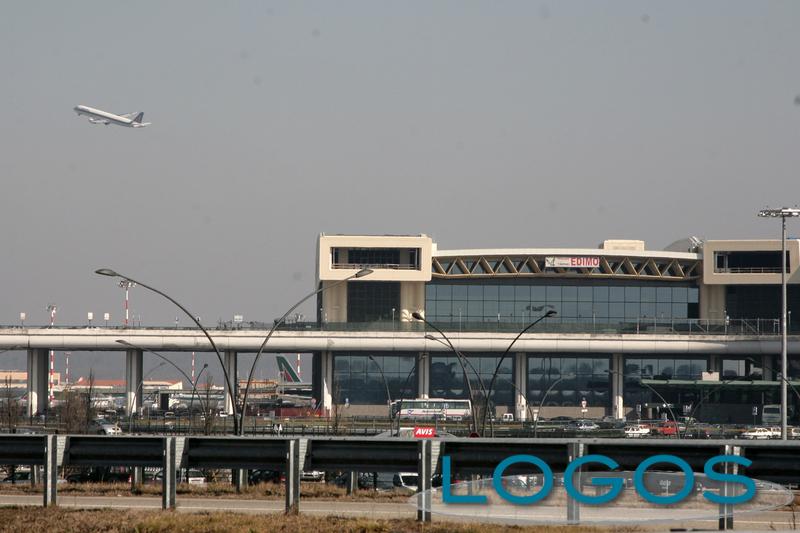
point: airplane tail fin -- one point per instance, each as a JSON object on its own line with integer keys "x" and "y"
{"x": 288, "y": 374}
{"x": 138, "y": 118}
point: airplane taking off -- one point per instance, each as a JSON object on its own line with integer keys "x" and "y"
{"x": 96, "y": 116}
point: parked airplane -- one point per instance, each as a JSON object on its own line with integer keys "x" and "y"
{"x": 96, "y": 116}
{"x": 288, "y": 374}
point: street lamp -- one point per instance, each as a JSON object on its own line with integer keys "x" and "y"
{"x": 461, "y": 358}
{"x": 383, "y": 376}
{"x": 166, "y": 361}
{"x": 194, "y": 391}
{"x": 654, "y": 391}
{"x": 360, "y": 274}
{"x": 548, "y": 314}
{"x": 544, "y": 397}
{"x": 113, "y": 274}
{"x": 139, "y": 392}
{"x": 783, "y": 213}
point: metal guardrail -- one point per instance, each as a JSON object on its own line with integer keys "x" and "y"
{"x": 771, "y": 461}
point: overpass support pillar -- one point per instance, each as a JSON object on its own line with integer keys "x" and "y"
{"x": 326, "y": 373}
{"x": 617, "y": 386}
{"x": 423, "y": 375}
{"x": 520, "y": 386}
{"x": 767, "y": 368}
{"x": 134, "y": 387}
{"x": 233, "y": 373}
{"x": 37, "y": 380}
{"x": 424, "y": 474}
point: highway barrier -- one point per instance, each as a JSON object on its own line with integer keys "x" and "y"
{"x": 771, "y": 460}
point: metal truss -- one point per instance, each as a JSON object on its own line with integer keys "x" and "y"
{"x": 618, "y": 266}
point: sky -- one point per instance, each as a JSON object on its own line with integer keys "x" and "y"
{"x": 481, "y": 124}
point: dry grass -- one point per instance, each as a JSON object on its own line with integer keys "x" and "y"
{"x": 14, "y": 519}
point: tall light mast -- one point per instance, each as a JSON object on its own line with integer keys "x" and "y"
{"x": 51, "y": 308}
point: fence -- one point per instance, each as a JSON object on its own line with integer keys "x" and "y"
{"x": 771, "y": 460}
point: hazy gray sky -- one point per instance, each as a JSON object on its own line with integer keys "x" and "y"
{"x": 515, "y": 124}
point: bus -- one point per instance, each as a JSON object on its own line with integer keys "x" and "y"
{"x": 432, "y": 409}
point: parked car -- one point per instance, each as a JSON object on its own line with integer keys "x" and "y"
{"x": 264, "y": 476}
{"x": 100, "y": 474}
{"x": 669, "y": 428}
{"x": 582, "y": 425}
{"x": 365, "y": 481}
{"x": 794, "y": 433}
{"x": 508, "y": 417}
{"x": 23, "y": 476}
{"x": 758, "y": 434}
{"x": 312, "y": 475}
{"x": 406, "y": 480}
{"x": 101, "y": 426}
{"x": 637, "y": 431}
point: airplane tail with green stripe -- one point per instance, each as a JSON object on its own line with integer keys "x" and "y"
{"x": 288, "y": 374}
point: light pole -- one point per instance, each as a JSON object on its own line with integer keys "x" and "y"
{"x": 548, "y": 314}
{"x": 544, "y": 397}
{"x": 383, "y": 376}
{"x": 113, "y": 274}
{"x": 469, "y": 364}
{"x": 360, "y": 274}
{"x": 461, "y": 360}
{"x": 783, "y": 213}
{"x": 139, "y": 392}
{"x": 194, "y": 391}
{"x": 127, "y": 285}
{"x": 654, "y": 391}
{"x": 166, "y": 361}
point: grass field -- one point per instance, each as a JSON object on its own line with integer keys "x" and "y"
{"x": 16, "y": 519}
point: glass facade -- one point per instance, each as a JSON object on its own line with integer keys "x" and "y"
{"x": 520, "y": 300}
{"x": 447, "y": 378}
{"x": 357, "y": 378}
{"x": 573, "y": 378}
{"x": 372, "y": 301}
{"x": 663, "y": 368}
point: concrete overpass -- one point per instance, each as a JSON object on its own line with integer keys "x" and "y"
{"x": 38, "y": 341}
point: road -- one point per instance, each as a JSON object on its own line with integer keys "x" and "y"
{"x": 766, "y": 521}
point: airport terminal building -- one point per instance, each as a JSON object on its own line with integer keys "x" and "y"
{"x": 696, "y": 326}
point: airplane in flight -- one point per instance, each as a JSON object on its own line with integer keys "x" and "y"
{"x": 96, "y": 116}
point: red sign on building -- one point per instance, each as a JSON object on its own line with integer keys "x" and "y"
{"x": 424, "y": 432}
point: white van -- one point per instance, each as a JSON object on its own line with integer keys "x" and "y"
{"x": 508, "y": 417}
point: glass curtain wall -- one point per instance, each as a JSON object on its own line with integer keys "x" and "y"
{"x": 579, "y": 301}
{"x": 573, "y": 377}
{"x": 447, "y": 378}
{"x": 357, "y": 379}
{"x": 663, "y": 368}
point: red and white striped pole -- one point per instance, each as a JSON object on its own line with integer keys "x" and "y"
{"x": 126, "y": 284}
{"x": 50, "y": 397}
{"x": 192, "y": 369}
{"x": 299, "y": 373}
{"x": 66, "y": 368}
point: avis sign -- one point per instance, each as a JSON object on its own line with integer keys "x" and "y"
{"x": 572, "y": 262}
{"x": 424, "y": 432}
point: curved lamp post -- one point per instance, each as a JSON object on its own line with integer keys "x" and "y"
{"x": 654, "y": 391}
{"x": 194, "y": 392}
{"x": 402, "y": 395}
{"x": 114, "y": 274}
{"x": 461, "y": 360}
{"x": 166, "y": 361}
{"x": 468, "y": 363}
{"x": 360, "y": 274}
{"x": 383, "y": 376}
{"x": 548, "y": 314}
{"x": 544, "y": 397}
{"x": 140, "y": 391}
